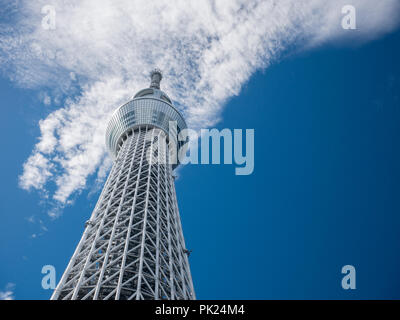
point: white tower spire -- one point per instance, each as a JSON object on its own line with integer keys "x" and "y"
{"x": 133, "y": 245}
{"x": 156, "y": 77}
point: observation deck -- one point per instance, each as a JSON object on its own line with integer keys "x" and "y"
{"x": 149, "y": 107}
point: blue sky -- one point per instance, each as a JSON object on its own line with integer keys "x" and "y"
{"x": 324, "y": 192}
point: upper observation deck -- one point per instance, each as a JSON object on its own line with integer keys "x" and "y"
{"x": 149, "y": 107}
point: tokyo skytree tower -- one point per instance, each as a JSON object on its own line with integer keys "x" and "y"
{"x": 133, "y": 245}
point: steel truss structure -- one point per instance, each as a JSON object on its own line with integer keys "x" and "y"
{"x": 133, "y": 246}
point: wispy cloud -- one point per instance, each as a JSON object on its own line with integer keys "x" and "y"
{"x": 105, "y": 49}
{"x": 8, "y": 293}
{"x": 42, "y": 227}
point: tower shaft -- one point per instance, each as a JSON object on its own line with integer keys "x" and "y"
{"x": 133, "y": 245}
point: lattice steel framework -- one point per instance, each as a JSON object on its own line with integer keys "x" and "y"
{"x": 133, "y": 245}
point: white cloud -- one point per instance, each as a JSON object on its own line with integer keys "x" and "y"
{"x": 37, "y": 169}
{"x": 8, "y": 293}
{"x": 207, "y": 50}
{"x": 46, "y": 99}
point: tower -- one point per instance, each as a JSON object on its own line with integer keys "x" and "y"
{"x": 133, "y": 245}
